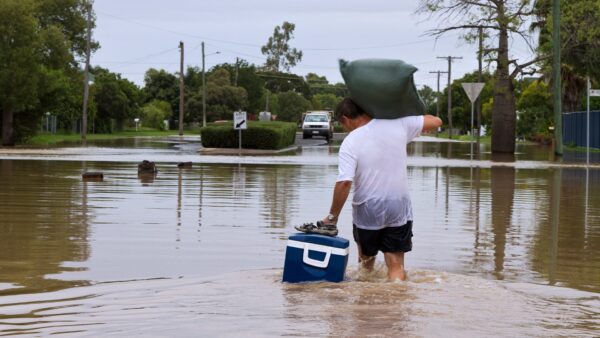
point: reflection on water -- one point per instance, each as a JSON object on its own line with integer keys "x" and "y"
{"x": 485, "y": 238}
{"x": 41, "y": 233}
{"x": 430, "y": 304}
{"x": 570, "y": 230}
{"x": 503, "y": 192}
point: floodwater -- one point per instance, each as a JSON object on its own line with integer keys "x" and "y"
{"x": 509, "y": 248}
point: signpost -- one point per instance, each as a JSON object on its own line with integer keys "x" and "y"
{"x": 473, "y": 90}
{"x": 591, "y": 92}
{"x": 240, "y": 122}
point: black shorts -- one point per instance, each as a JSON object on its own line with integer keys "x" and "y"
{"x": 390, "y": 239}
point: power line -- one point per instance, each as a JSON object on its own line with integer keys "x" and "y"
{"x": 262, "y": 58}
{"x": 281, "y": 77}
{"x": 133, "y": 61}
{"x": 400, "y": 44}
{"x": 136, "y": 63}
{"x": 175, "y": 32}
{"x": 392, "y": 45}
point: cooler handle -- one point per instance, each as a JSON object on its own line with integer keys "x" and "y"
{"x": 314, "y": 262}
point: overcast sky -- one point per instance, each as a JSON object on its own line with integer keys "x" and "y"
{"x": 138, "y": 34}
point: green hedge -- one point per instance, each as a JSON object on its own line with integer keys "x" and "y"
{"x": 259, "y": 135}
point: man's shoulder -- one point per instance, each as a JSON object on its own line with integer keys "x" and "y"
{"x": 401, "y": 121}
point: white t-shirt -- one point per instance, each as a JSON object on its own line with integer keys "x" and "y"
{"x": 374, "y": 158}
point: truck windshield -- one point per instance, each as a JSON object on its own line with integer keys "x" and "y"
{"x": 315, "y": 118}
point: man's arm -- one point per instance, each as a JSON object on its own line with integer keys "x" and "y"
{"x": 431, "y": 122}
{"x": 340, "y": 194}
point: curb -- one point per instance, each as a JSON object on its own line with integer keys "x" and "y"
{"x": 237, "y": 151}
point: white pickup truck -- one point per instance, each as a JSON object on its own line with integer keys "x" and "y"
{"x": 317, "y": 123}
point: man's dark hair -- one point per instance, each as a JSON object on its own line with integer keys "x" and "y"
{"x": 349, "y": 109}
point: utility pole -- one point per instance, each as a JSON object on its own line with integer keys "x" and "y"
{"x": 181, "y": 89}
{"x": 557, "y": 77}
{"x": 449, "y": 58}
{"x": 267, "y": 102}
{"x": 237, "y": 70}
{"x": 479, "y": 79}
{"x": 439, "y": 73}
{"x": 438, "y": 94}
{"x": 203, "y": 90}
{"x": 587, "y": 145}
{"x": 86, "y": 75}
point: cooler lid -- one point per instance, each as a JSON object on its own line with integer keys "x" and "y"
{"x": 336, "y": 242}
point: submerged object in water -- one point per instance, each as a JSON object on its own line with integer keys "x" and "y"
{"x": 92, "y": 176}
{"x": 147, "y": 167}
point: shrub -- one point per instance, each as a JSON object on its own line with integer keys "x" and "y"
{"x": 259, "y": 135}
{"x": 154, "y": 113}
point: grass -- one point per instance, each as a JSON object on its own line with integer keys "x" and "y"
{"x": 581, "y": 149}
{"x": 487, "y": 139}
{"x": 49, "y": 139}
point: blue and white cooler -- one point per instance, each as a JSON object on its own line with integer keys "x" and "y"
{"x": 311, "y": 257}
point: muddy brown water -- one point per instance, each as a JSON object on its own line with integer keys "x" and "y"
{"x": 504, "y": 250}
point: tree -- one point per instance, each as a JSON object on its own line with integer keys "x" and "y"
{"x": 249, "y": 80}
{"x": 315, "y": 79}
{"x": 154, "y": 114}
{"x": 115, "y": 99}
{"x": 325, "y": 101}
{"x": 461, "y": 105}
{"x": 429, "y": 98}
{"x": 61, "y": 94}
{"x": 222, "y": 99}
{"x": 580, "y": 46}
{"x": 499, "y": 19}
{"x": 536, "y": 112}
{"x": 19, "y": 62}
{"x": 291, "y": 106}
{"x": 320, "y": 85}
{"x": 273, "y": 105}
{"x": 192, "y": 79}
{"x": 277, "y": 50}
{"x": 286, "y": 82}
{"x": 41, "y": 40}
{"x": 164, "y": 86}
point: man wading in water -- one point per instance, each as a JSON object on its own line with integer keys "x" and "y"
{"x": 373, "y": 156}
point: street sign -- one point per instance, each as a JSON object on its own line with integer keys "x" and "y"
{"x": 240, "y": 120}
{"x": 473, "y": 90}
{"x": 594, "y": 92}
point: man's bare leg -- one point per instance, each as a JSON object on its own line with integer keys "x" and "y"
{"x": 395, "y": 265}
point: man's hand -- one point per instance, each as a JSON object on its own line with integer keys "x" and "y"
{"x": 431, "y": 122}
{"x": 326, "y": 220}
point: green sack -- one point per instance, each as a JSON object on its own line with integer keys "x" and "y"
{"x": 383, "y": 88}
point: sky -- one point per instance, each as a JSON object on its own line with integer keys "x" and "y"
{"x": 136, "y": 35}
